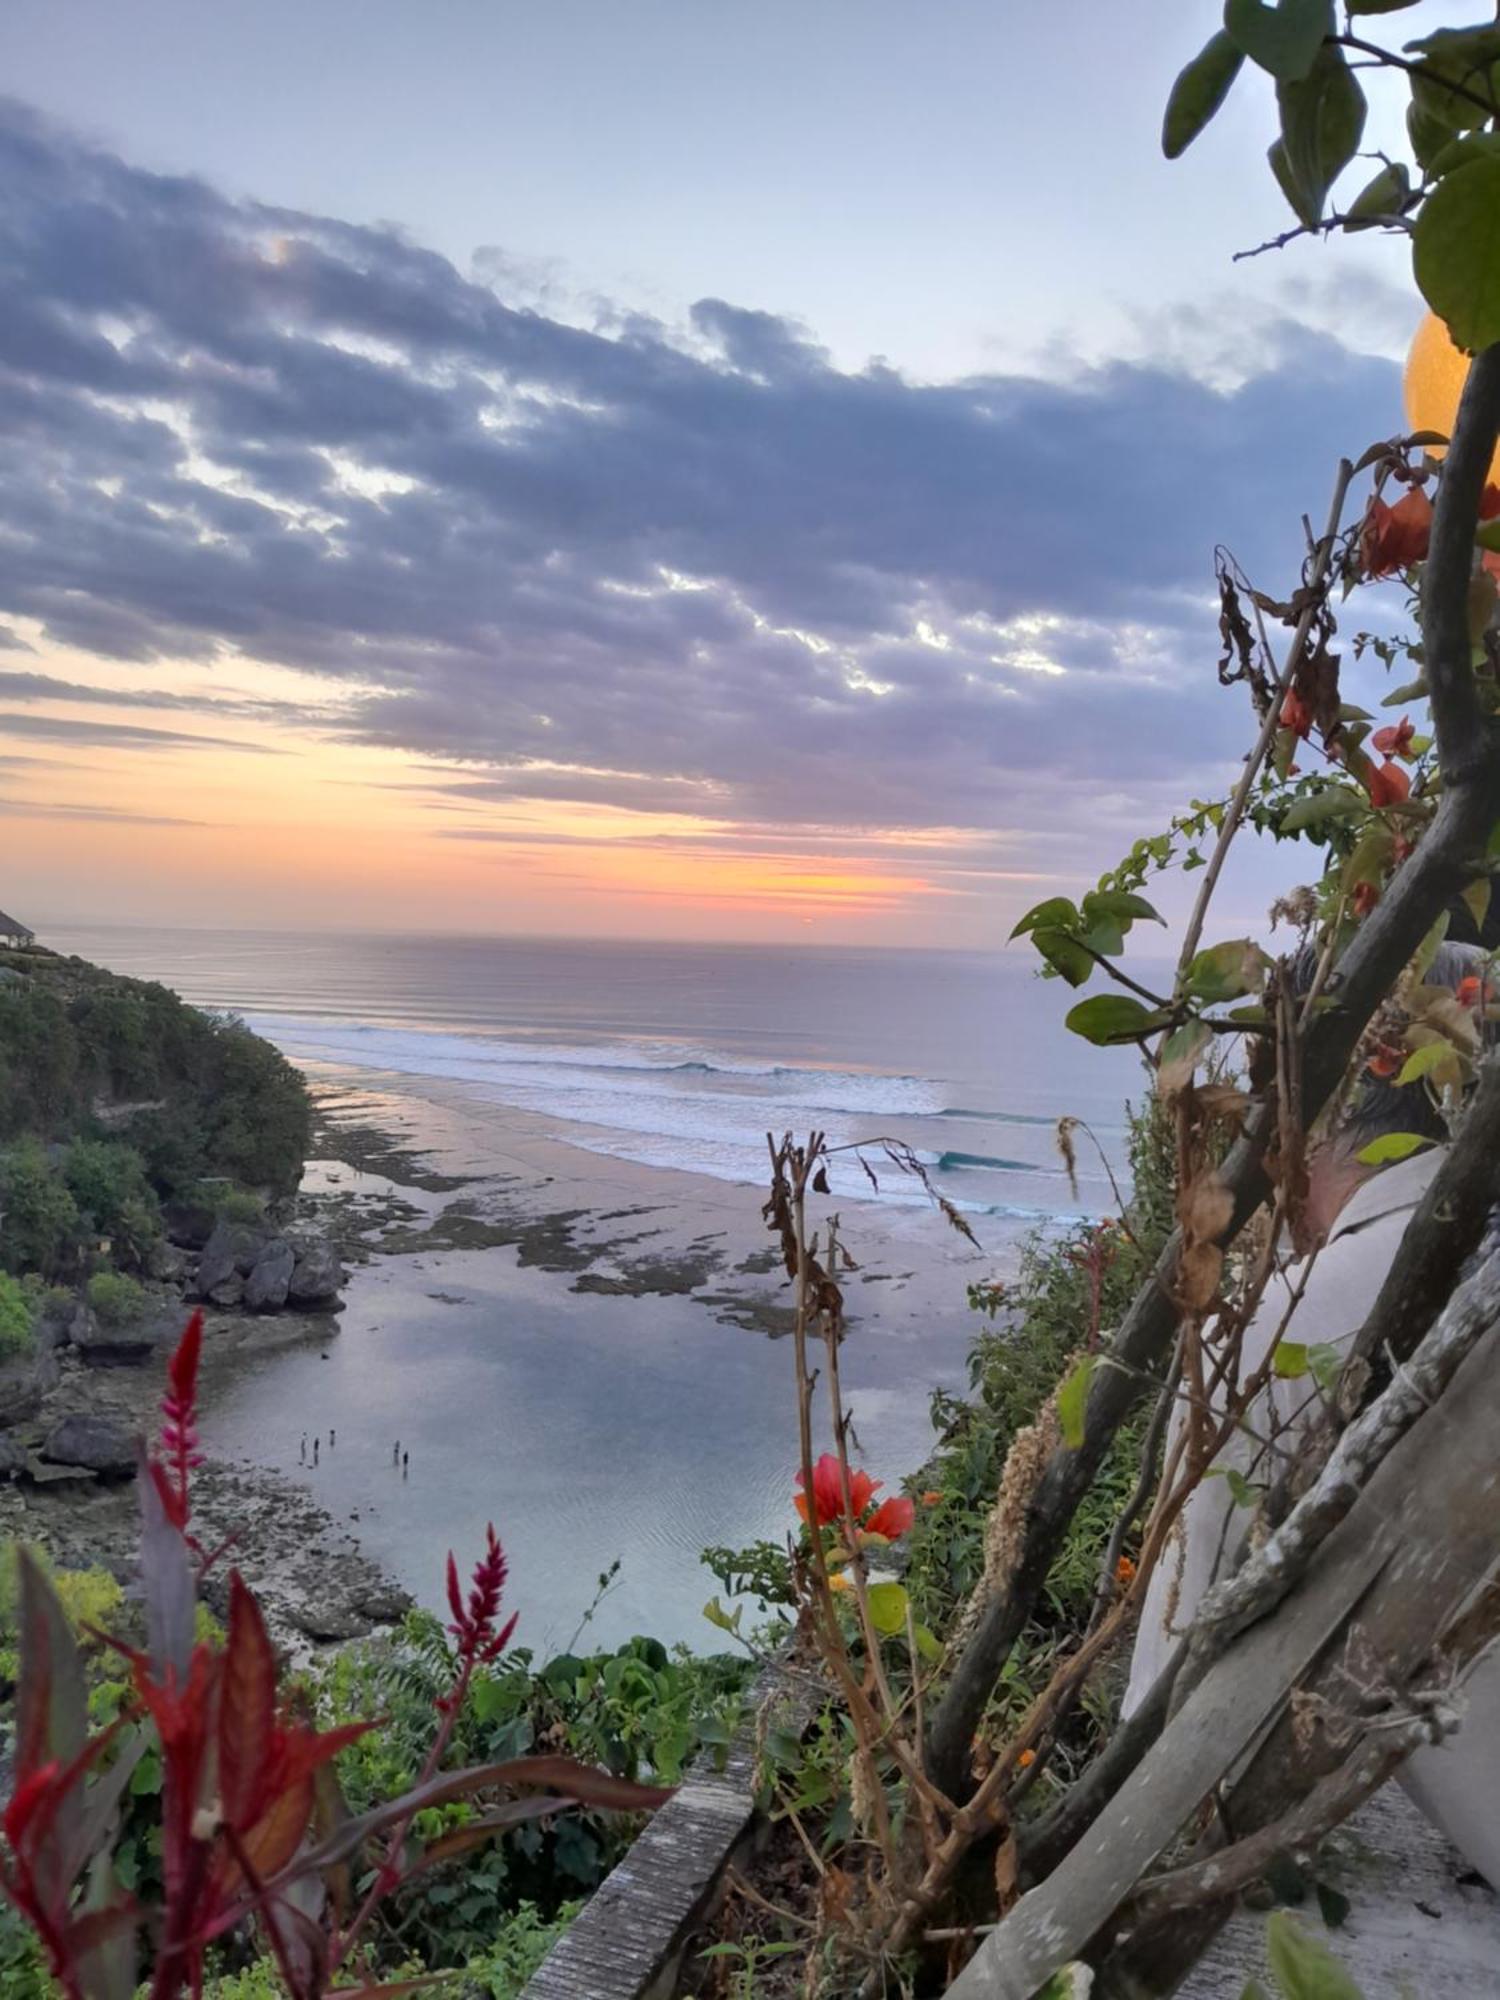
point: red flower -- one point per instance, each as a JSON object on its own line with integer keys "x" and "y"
{"x": 1295, "y": 713}
{"x": 828, "y": 1491}
{"x": 474, "y": 1623}
{"x": 1393, "y": 538}
{"x": 1386, "y": 1061}
{"x": 1366, "y": 896}
{"x": 1473, "y": 991}
{"x": 1395, "y": 741}
{"x": 891, "y": 1518}
{"x": 1388, "y": 784}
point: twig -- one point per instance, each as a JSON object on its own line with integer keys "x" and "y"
{"x": 1239, "y": 798}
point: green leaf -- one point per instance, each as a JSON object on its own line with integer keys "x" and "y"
{"x": 1428, "y": 136}
{"x": 1422, "y": 958}
{"x": 1416, "y": 690}
{"x": 1477, "y": 900}
{"x": 1385, "y": 195}
{"x": 1421, "y": 1062}
{"x": 1487, "y": 535}
{"x": 887, "y": 1602}
{"x": 1105, "y": 937}
{"x": 1456, "y": 253}
{"x": 928, "y": 1643}
{"x": 1122, "y": 904}
{"x": 1284, "y": 39}
{"x": 1199, "y": 91}
{"x": 1457, "y": 67}
{"x": 1225, "y": 971}
{"x": 1326, "y": 1362}
{"x": 1378, "y": 6}
{"x": 1328, "y": 802}
{"x": 1065, "y": 955}
{"x": 1308, "y": 214}
{"x": 715, "y": 1613}
{"x": 1290, "y": 1360}
{"x": 1302, "y": 1965}
{"x": 1073, "y": 1400}
{"x": 1057, "y": 913}
{"x": 1112, "y": 1017}
{"x": 1322, "y": 120}
{"x": 1241, "y": 1491}
{"x": 1179, "y": 1055}
{"x": 1391, "y": 1146}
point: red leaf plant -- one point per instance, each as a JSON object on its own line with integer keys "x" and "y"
{"x": 252, "y": 1821}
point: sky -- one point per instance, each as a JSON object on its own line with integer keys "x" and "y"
{"x": 675, "y": 470}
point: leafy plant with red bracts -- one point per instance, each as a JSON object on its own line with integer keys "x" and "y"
{"x": 254, "y": 1830}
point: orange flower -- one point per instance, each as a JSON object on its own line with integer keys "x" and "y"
{"x": 1124, "y": 1571}
{"x": 1395, "y": 741}
{"x": 1026, "y": 1759}
{"x": 931, "y": 1499}
{"x": 1393, "y": 538}
{"x": 1386, "y": 1060}
{"x": 1472, "y": 991}
{"x": 1366, "y": 896}
{"x": 1295, "y": 713}
{"x": 840, "y": 1580}
{"x": 1388, "y": 784}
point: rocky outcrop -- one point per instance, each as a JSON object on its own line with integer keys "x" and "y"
{"x": 100, "y": 1345}
{"x": 270, "y": 1277}
{"x": 317, "y": 1276}
{"x": 230, "y": 1252}
{"x": 20, "y": 1393}
{"x": 95, "y": 1443}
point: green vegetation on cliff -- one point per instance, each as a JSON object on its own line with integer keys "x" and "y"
{"x": 116, "y": 1096}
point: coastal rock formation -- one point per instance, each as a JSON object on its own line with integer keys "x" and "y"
{"x": 318, "y": 1274}
{"x": 270, "y": 1277}
{"x": 20, "y": 1393}
{"x": 230, "y": 1252}
{"x": 100, "y": 1345}
{"x": 92, "y": 1442}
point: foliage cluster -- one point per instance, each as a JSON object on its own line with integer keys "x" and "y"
{"x": 639, "y": 1712}
{"x": 116, "y": 1096}
{"x": 15, "y": 1317}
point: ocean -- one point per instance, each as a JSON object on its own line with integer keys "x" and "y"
{"x": 590, "y": 1413}
{"x": 685, "y": 1055}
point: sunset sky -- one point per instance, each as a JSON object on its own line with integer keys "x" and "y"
{"x": 670, "y": 469}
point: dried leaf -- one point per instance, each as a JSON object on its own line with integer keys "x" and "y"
{"x": 1198, "y": 1275}
{"x": 1205, "y": 1208}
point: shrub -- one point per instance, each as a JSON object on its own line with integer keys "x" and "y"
{"x": 15, "y": 1317}
{"x": 39, "y": 1220}
{"x": 236, "y": 1204}
{"x": 107, "y": 1180}
{"x": 115, "y": 1298}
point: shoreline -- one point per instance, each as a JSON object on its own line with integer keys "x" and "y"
{"x": 583, "y": 1349}
{"x": 437, "y": 1204}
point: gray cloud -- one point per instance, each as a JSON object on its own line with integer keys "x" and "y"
{"x": 683, "y": 570}
{"x": 117, "y": 735}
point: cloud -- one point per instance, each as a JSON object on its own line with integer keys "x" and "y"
{"x": 118, "y": 735}
{"x": 677, "y": 570}
{"x": 31, "y": 809}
